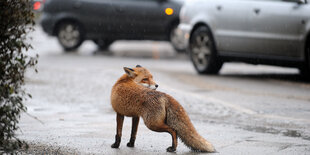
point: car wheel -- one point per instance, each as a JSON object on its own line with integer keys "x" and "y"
{"x": 305, "y": 70}
{"x": 70, "y": 35}
{"x": 103, "y": 44}
{"x": 175, "y": 40}
{"x": 202, "y": 52}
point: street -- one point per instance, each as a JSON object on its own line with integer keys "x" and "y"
{"x": 247, "y": 109}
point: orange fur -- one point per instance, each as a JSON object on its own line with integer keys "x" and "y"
{"x": 159, "y": 111}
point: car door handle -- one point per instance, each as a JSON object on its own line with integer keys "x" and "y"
{"x": 257, "y": 11}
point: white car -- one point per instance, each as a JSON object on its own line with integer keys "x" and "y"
{"x": 274, "y": 32}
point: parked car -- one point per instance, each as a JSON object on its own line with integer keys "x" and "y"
{"x": 274, "y": 32}
{"x": 104, "y": 21}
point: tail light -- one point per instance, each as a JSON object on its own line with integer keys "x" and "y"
{"x": 36, "y": 6}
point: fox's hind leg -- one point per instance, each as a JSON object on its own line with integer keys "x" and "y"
{"x": 134, "y": 129}
{"x": 118, "y": 136}
{"x": 165, "y": 128}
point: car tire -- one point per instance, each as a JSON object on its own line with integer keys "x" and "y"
{"x": 305, "y": 70}
{"x": 103, "y": 44}
{"x": 202, "y": 51}
{"x": 70, "y": 35}
{"x": 175, "y": 41}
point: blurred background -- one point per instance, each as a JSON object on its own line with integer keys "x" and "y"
{"x": 240, "y": 68}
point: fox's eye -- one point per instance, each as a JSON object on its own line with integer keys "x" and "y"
{"x": 146, "y": 79}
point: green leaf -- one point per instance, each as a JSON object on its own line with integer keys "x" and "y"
{"x": 15, "y": 22}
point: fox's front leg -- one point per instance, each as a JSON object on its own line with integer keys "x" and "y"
{"x": 134, "y": 129}
{"x": 119, "y": 120}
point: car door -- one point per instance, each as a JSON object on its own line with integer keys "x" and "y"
{"x": 97, "y": 16}
{"x": 141, "y": 19}
{"x": 230, "y": 24}
{"x": 276, "y": 28}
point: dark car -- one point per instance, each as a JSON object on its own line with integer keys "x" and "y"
{"x": 104, "y": 21}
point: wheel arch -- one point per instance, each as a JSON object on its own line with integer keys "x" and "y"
{"x": 174, "y": 22}
{"x": 198, "y": 24}
{"x": 67, "y": 19}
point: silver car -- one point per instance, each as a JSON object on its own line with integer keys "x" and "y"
{"x": 274, "y": 32}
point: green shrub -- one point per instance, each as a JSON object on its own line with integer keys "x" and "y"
{"x": 16, "y": 20}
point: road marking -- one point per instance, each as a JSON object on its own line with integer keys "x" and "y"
{"x": 155, "y": 51}
{"x": 226, "y": 104}
{"x": 231, "y": 105}
{"x": 199, "y": 82}
{"x": 249, "y": 111}
{"x": 241, "y": 109}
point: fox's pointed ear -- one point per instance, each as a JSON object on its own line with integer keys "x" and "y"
{"x": 138, "y": 66}
{"x": 130, "y": 72}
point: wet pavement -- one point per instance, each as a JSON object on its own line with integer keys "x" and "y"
{"x": 246, "y": 109}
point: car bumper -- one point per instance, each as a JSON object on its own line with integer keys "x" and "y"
{"x": 183, "y": 33}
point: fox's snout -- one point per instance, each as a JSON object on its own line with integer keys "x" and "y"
{"x": 154, "y": 87}
{"x": 151, "y": 84}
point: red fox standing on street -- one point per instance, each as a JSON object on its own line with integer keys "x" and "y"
{"x": 134, "y": 95}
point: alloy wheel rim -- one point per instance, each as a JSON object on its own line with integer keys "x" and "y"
{"x": 201, "y": 51}
{"x": 69, "y": 35}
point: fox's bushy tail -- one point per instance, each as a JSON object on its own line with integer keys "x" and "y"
{"x": 178, "y": 119}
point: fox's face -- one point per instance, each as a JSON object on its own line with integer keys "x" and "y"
{"x": 141, "y": 76}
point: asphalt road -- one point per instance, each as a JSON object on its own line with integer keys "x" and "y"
{"x": 247, "y": 109}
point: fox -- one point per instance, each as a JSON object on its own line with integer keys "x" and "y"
{"x": 134, "y": 95}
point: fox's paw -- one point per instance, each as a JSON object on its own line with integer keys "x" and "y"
{"x": 171, "y": 149}
{"x": 130, "y": 144}
{"x": 115, "y": 145}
